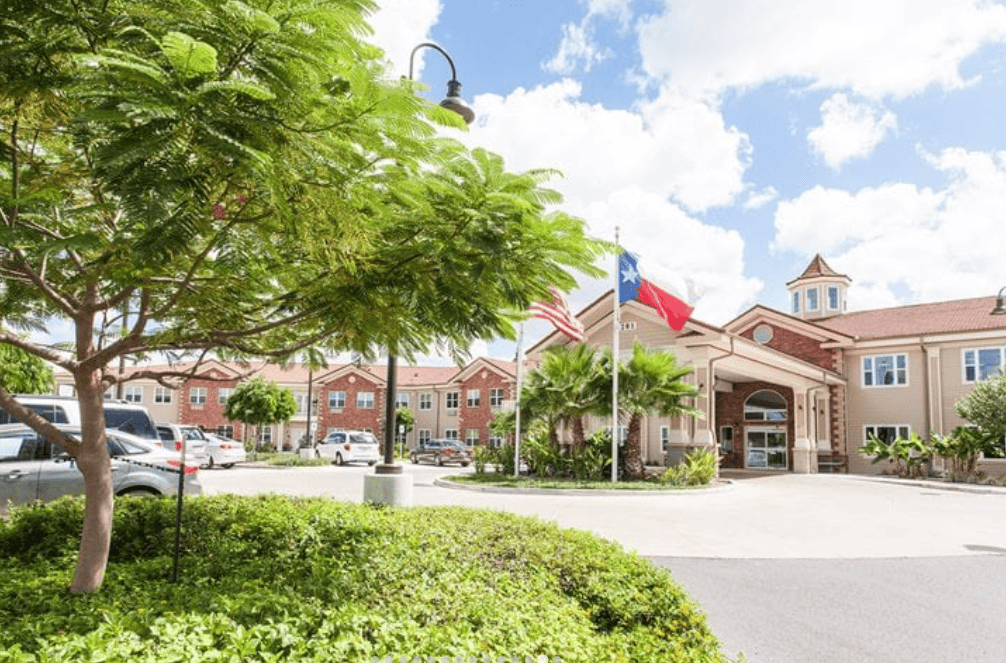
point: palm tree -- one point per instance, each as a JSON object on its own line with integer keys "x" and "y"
{"x": 649, "y": 383}
{"x": 560, "y": 390}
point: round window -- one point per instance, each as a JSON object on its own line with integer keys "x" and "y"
{"x": 762, "y": 334}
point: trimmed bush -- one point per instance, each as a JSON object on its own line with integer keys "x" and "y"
{"x": 273, "y": 578}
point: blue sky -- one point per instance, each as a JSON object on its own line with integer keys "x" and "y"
{"x": 731, "y": 141}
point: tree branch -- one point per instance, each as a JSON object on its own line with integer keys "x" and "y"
{"x": 39, "y": 351}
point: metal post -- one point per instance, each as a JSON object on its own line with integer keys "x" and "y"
{"x": 389, "y": 466}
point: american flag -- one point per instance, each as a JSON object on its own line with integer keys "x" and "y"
{"x": 557, "y": 312}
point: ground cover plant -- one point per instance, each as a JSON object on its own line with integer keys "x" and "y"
{"x": 273, "y": 578}
{"x": 509, "y": 481}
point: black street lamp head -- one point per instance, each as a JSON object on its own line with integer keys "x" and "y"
{"x": 453, "y": 102}
{"x": 1000, "y": 308}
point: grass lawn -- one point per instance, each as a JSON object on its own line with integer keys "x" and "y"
{"x": 510, "y": 481}
{"x": 273, "y": 578}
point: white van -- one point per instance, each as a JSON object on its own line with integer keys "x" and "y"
{"x": 120, "y": 415}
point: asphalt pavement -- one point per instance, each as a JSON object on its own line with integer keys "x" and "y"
{"x": 789, "y": 568}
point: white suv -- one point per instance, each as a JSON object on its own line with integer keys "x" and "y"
{"x": 119, "y": 415}
{"x": 348, "y": 446}
{"x": 190, "y": 438}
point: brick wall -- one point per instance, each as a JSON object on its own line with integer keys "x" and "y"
{"x": 730, "y": 412}
{"x": 479, "y": 418}
{"x": 797, "y": 345}
{"x": 210, "y": 414}
{"x": 351, "y": 417}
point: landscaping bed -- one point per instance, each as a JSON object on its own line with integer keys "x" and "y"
{"x": 497, "y": 480}
{"x": 273, "y": 578}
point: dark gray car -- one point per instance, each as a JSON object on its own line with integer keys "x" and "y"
{"x": 440, "y": 452}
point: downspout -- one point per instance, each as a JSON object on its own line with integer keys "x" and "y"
{"x": 926, "y": 409}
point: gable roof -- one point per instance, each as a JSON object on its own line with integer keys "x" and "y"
{"x": 760, "y": 313}
{"x": 963, "y": 315}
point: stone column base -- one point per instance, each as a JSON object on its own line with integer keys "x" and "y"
{"x": 393, "y": 489}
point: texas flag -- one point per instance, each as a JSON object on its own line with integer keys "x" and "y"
{"x": 632, "y": 286}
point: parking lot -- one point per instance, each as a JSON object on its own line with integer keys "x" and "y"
{"x": 789, "y": 568}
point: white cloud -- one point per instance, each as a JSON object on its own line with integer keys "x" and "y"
{"x": 577, "y": 48}
{"x": 849, "y": 130}
{"x": 876, "y": 48}
{"x": 399, "y": 25}
{"x": 901, "y": 243}
{"x": 761, "y": 198}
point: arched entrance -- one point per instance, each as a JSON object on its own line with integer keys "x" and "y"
{"x": 765, "y": 443}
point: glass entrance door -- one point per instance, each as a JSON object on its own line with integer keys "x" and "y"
{"x": 765, "y": 449}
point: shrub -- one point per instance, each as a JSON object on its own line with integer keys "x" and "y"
{"x": 963, "y": 447}
{"x": 482, "y": 457}
{"x": 910, "y": 456}
{"x": 276, "y": 578}
{"x": 697, "y": 468}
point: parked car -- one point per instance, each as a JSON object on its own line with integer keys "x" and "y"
{"x": 440, "y": 452}
{"x": 197, "y": 447}
{"x": 225, "y": 451}
{"x": 31, "y": 468}
{"x": 349, "y": 446}
{"x": 121, "y": 415}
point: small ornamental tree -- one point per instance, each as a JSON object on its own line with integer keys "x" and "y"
{"x": 24, "y": 373}
{"x": 985, "y": 406}
{"x": 405, "y": 421}
{"x": 259, "y": 403}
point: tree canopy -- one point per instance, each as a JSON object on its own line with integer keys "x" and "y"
{"x": 257, "y": 403}
{"x": 985, "y": 406}
{"x": 242, "y": 177}
{"x": 24, "y": 373}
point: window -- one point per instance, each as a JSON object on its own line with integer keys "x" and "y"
{"x": 162, "y": 395}
{"x": 833, "y": 297}
{"x": 197, "y": 395}
{"x": 301, "y": 404}
{"x": 336, "y": 400}
{"x": 425, "y": 401}
{"x": 266, "y": 435}
{"x": 765, "y": 405}
{"x": 365, "y": 400}
{"x": 474, "y": 397}
{"x": 226, "y": 431}
{"x": 665, "y": 438}
{"x": 495, "y": 441}
{"x": 796, "y": 302}
{"x": 223, "y": 393}
{"x": 812, "y": 299}
{"x": 982, "y": 363}
{"x": 68, "y": 390}
{"x": 496, "y": 397}
{"x": 727, "y": 438}
{"x": 887, "y": 433}
{"x": 424, "y": 435}
{"x": 451, "y": 433}
{"x": 885, "y": 371}
{"x": 472, "y": 437}
{"x": 452, "y": 400}
{"x": 133, "y": 394}
{"x": 401, "y": 400}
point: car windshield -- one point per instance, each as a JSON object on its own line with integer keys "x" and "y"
{"x": 135, "y": 422}
{"x": 193, "y": 434}
{"x": 363, "y": 438}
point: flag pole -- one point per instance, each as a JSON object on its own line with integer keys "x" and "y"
{"x": 614, "y": 368}
{"x": 520, "y": 371}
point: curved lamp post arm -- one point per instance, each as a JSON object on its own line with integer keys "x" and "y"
{"x": 453, "y": 101}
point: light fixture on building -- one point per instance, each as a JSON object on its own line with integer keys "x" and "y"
{"x": 1000, "y": 308}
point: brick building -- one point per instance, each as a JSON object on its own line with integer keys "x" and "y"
{"x": 801, "y": 391}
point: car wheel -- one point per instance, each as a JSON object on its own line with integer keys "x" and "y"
{"x": 439, "y": 460}
{"x": 209, "y": 465}
{"x": 138, "y": 492}
{"x": 415, "y": 461}
{"x": 227, "y": 466}
{"x": 371, "y": 462}
{"x": 464, "y": 464}
{"x": 338, "y": 459}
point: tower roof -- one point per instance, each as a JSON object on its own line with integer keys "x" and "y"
{"x": 818, "y": 267}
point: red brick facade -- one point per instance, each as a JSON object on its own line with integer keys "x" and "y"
{"x": 209, "y": 415}
{"x": 797, "y": 345}
{"x": 730, "y": 413}
{"x": 484, "y": 381}
{"x": 351, "y": 416}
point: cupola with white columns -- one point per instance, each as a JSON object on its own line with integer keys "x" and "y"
{"x": 819, "y": 292}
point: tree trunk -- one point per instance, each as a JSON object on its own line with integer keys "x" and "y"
{"x": 94, "y": 463}
{"x": 578, "y": 435}
{"x": 633, "y": 450}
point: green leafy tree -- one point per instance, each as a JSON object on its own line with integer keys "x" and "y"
{"x": 259, "y": 403}
{"x": 24, "y": 373}
{"x": 562, "y": 390}
{"x": 649, "y": 383}
{"x": 241, "y": 177}
{"x": 985, "y": 406}
{"x": 405, "y": 421}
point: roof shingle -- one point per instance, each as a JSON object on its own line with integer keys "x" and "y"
{"x": 964, "y": 315}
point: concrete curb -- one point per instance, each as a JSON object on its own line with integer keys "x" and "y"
{"x": 976, "y": 489}
{"x": 444, "y": 483}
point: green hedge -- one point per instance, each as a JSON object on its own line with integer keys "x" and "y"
{"x": 273, "y": 578}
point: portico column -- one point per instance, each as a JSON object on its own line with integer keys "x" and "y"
{"x": 804, "y": 452}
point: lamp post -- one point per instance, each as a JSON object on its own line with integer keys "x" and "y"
{"x": 1000, "y": 308}
{"x": 454, "y": 103}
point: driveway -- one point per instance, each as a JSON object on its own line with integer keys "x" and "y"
{"x": 789, "y": 568}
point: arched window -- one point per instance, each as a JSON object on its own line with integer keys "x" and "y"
{"x": 765, "y": 405}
